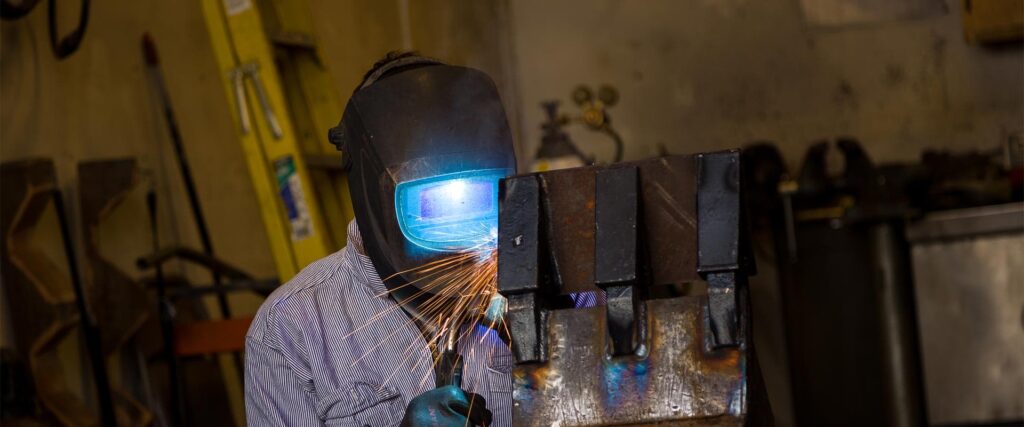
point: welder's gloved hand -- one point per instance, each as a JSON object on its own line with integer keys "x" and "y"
{"x": 448, "y": 406}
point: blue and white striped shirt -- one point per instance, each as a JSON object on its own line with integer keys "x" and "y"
{"x": 316, "y": 356}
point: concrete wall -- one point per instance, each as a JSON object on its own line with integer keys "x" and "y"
{"x": 701, "y": 75}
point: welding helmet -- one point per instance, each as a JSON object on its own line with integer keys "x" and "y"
{"x": 426, "y": 145}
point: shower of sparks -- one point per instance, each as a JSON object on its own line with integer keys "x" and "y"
{"x": 459, "y": 290}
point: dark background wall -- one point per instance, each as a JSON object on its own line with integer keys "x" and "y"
{"x": 704, "y": 75}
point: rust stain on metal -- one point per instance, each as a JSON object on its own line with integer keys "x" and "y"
{"x": 569, "y": 202}
{"x": 668, "y": 200}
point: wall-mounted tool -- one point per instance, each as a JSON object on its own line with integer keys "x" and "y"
{"x": 629, "y": 229}
{"x": 62, "y": 46}
{"x": 556, "y": 150}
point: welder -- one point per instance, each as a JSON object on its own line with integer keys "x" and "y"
{"x": 343, "y": 343}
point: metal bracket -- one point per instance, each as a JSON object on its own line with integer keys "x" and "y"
{"x": 519, "y": 266}
{"x": 252, "y": 69}
{"x": 615, "y": 253}
{"x": 718, "y": 235}
{"x": 237, "y": 76}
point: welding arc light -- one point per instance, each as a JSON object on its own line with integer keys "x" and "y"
{"x": 450, "y": 212}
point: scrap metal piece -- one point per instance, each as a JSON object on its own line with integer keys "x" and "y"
{"x": 682, "y": 381}
{"x": 718, "y": 236}
{"x": 519, "y": 265}
{"x": 119, "y": 303}
{"x": 615, "y": 253}
{"x": 103, "y": 184}
{"x": 42, "y": 306}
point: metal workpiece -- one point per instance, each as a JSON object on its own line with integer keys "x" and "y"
{"x": 615, "y": 253}
{"x": 615, "y": 244}
{"x": 722, "y": 308}
{"x": 519, "y": 265}
{"x": 681, "y": 381}
{"x": 526, "y": 321}
{"x": 666, "y": 222}
{"x": 622, "y": 317}
{"x": 567, "y": 202}
{"x": 668, "y": 218}
{"x": 718, "y": 238}
{"x": 718, "y": 211}
{"x": 519, "y": 235}
{"x": 625, "y": 231}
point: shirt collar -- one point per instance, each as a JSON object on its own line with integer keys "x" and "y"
{"x": 363, "y": 266}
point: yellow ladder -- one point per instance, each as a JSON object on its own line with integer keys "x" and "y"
{"x": 282, "y": 116}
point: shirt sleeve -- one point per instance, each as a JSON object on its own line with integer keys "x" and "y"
{"x": 273, "y": 394}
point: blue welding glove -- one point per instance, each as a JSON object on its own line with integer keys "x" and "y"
{"x": 448, "y": 406}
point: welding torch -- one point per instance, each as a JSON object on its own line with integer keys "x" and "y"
{"x": 448, "y": 370}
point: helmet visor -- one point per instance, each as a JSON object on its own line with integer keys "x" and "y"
{"x": 450, "y": 212}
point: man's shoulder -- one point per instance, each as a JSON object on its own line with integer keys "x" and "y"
{"x": 326, "y": 274}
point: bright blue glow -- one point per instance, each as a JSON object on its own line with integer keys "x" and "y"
{"x": 450, "y": 212}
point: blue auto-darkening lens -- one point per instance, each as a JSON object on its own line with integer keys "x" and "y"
{"x": 450, "y": 212}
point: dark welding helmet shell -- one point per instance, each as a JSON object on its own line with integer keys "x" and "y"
{"x": 426, "y": 120}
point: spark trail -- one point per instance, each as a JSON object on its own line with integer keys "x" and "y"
{"x": 459, "y": 290}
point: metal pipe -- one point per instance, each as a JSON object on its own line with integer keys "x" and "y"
{"x": 165, "y": 308}
{"x": 91, "y": 333}
{"x": 153, "y": 64}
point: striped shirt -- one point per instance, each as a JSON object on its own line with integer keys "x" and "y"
{"x": 331, "y": 348}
